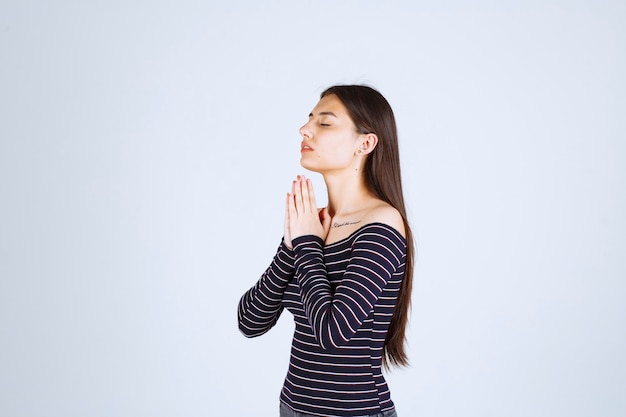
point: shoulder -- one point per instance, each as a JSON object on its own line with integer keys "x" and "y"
{"x": 387, "y": 215}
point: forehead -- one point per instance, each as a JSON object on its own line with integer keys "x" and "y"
{"x": 332, "y": 104}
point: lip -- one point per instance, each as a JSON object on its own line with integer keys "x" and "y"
{"x": 305, "y": 148}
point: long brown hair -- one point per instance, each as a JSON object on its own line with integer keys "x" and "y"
{"x": 371, "y": 113}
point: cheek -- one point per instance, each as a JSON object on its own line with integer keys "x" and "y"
{"x": 341, "y": 157}
{"x": 347, "y": 149}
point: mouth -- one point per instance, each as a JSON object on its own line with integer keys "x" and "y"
{"x": 305, "y": 148}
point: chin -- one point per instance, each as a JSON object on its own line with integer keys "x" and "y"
{"x": 307, "y": 165}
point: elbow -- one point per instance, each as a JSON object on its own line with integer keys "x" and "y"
{"x": 249, "y": 328}
{"x": 246, "y": 333}
{"x": 334, "y": 332}
{"x": 250, "y": 332}
{"x": 331, "y": 341}
{"x": 329, "y": 333}
{"x": 253, "y": 325}
{"x": 246, "y": 329}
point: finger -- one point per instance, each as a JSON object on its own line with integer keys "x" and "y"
{"x": 311, "y": 196}
{"x": 297, "y": 196}
{"x": 291, "y": 207}
{"x": 293, "y": 216}
{"x": 286, "y": 211}
{"x": 291, "y": 196}
{"x": 325, "y": 220}
{"x": 304, "y": 189}
{"x": 287, "y": 229}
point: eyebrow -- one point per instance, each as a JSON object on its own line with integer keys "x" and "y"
{"x": 324, "y": 113}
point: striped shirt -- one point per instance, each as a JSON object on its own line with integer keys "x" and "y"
{"x": 342, "y": 297}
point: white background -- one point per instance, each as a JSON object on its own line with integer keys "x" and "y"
{"x": 146, "y": 147}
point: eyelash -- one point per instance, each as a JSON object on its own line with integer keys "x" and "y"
{"x": 324, "y": 124}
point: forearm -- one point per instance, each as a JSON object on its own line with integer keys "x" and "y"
{"x": 336, "y": 315}
{"x": 260, "y": 307}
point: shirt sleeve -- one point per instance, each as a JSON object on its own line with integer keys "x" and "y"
{"x": 335, "y": 316}
{"x": 260, "y": 307}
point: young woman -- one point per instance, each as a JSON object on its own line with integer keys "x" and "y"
{"x": 344, "y": 271}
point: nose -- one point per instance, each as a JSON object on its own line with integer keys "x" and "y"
{"x": 305, "y": 131}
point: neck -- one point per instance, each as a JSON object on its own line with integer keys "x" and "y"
{"x": 347, "y": 193}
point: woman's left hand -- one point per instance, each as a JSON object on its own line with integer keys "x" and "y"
{"x": 303, "y": 217}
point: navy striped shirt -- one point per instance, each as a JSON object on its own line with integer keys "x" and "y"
{"x": 342, "y": 297}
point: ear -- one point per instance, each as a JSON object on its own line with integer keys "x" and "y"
{"x": 368, "y": 143}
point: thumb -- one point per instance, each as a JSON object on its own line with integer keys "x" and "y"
{"x": 325, "y": 219}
